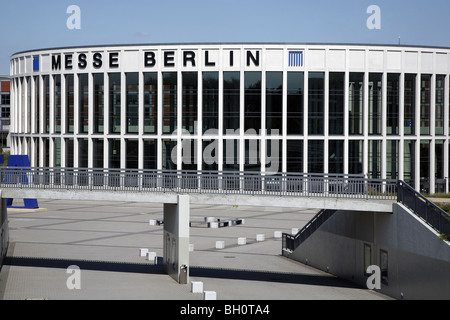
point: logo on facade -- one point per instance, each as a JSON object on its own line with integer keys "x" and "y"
{"x": 295, "y": 58}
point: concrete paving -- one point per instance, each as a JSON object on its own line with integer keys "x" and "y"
{"x": 103, "y": 240}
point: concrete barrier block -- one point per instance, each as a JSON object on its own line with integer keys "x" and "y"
{"x": 295, "y": 230}
{"x": 277, "y": 234}
{"x": 152, "y": 222}
{"x": 209, "y": 219}
{"x": 151, "y": 256}
{"x": 213, "y": 225}
{"x": 143, "y": 252}
{"x": 209, "y": 295}
{"x": 260, "y": 237}
{"x": 197, "y": 287}
{"x": 242, "y": 241}
{"x": 191, "y": 247}
{"x": 220, "y": 244}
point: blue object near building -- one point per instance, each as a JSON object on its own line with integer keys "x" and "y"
{"x": 15, "y": 163}
{"x": 2, "y": 159}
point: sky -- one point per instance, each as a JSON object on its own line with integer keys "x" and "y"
{"x": 29, "y": 25}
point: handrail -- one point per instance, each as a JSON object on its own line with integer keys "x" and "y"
{"x": 291, "y": 242}
{"x": 215, "y": 182}
{"x": 434, "y": 216}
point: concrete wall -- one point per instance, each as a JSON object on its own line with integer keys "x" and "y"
{"x": 418, "y": 261}
{"x": 4, "y": 232}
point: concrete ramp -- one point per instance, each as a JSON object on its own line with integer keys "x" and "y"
{"x": 413, "y": 260}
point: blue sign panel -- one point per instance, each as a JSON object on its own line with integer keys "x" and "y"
{"x": 36, "y": 63}
{"x": 296, "y": 58}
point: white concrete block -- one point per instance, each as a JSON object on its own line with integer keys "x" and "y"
{"x": 260, "y": 237}
{"x": 151, "y": 256}
{"x": 213, "y": 225}
{"x": 191, "y": 247}
{"x": 209, "y": 295}
{"x": 152, "y": 222}
{"x": 209, "y": 219}
{"x": 143, "y": 252}
{"x": 295, "y": 230}
{"x": 242, "y": 241}
{"x": 220, "y": 244}
{"x": 277, "y": 234}
{"x": 197, "y": 287}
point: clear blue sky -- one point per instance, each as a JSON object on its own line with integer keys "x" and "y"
{"x": 26, "y": 25}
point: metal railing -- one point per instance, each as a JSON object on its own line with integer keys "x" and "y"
{"x": 290, "y": 242}
{"x": 214, "y": 182}
{"x": 434, "y": 216}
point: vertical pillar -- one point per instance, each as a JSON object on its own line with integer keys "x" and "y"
{"x": 176, "y": 239}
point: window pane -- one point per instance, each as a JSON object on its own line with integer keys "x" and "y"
{"x": 231, "y": 155}
{"x": 150, "y": 102}
{"x": 295, "y": 103}
{"x": 114, "y": 153}
{"x": 99, "y": 103}
{"x": 393, "y": 102}
{"x": 409, "y": 162}
{"x": 169, "y": 102}
{"x": 132, "y": 103}
{"x": 392, "y": 157}
{"x": 315, "y": 156}
{"x": 57, "y": 88}
{"x": 70, "y": 103}
{"x": 190, "y": 98}
{"x": 294, "y": 156}
{"x": 132, "y": 158}
{"x": 410, "y": 104}
{"x": 231, "y": 102}
{"x": 83, "y": 103}
{"x": 114, "y": 102}
{"x": 150, "y": 154}
{"x": 375, "y": 159}
{"x": 274, "y": 102}
{"x": 252, "y": 120}
{"x": 356, "y": 103}
{"x": 210, "y": 101}
{"x": 439, "y": 116}
{"x": 316, "y": 95}
{"x": 336, "y": 103}
{"x": 375, "y": 103}
{"x": 355, "y": 157}
{"x": 425, "y": 100}
{"x": 336, "y": 156}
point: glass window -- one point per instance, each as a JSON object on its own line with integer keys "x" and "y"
{"x": 393, "y": 103}
{"x": 410, "y": 104}
{"x": 274, "y": 103}
{"x": 439, "y": 166}
{"x": 190, "y": 101}
{"x": 69, "y": 152}
{"x": 114, "y": 102}
{"x": 252, "y": 158}
{"x": 99, "y": 103}
{"x": 210, "y": 155}
{"x": 37, "y": 104}
{"x": 439, "y": 116}
{"x": 231, "y": 157}
{"x": 210, "y": 106}
{"x": 132, "y": 158}
{"x": 98, "y": 149}
{"x": 231, "y": 102}
{"x": 274, "y": 156}
{"x": 425, "y": 100}
{"x": 336, "y": 103}
{"x": 57, "y": 152}
{"x": 132, "y": 102}
{"x": 316, "y": 102}
{"x": 114, "y": 153}
{"x": 425, "y": 166}
{"x": 83, "y": 153}
{"x": 47, "y": 103}
{"x": 150, "y": 102}
{"x": 409, "y": 162}
{"x": 336, "y": 156}
{"x": 375, "y": 159}
{"x": 168, "y": 146}
{"x": 392, "y": 156}
{"x": 83, "y": 103}
{"x": 356, "y": 103}
{"x": 355, "y": 156}
{"x": 375, "y": 103}
{"x": 252, "y": 109}
{"x": 295, "y": 103}
{"x": 315, "y": 156}
{"x": 70, "y": 103}
{"x": 294, "y": 156}
{"x": 150, "y": 154}
{"x": 169, "y": 102}
{"x": 57, "y": 92}
{"x": 189, "y": 154}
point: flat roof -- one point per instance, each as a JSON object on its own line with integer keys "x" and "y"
{"x": 234, "y": 43}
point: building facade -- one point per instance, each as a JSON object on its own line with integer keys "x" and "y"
{"x": 381, "y": 111}
{"x": 5, "y": 97}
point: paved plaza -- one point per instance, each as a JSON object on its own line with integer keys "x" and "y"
{"x": 103, "y": 239}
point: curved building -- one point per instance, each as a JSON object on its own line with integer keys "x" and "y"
{"x": 382, "y": 111}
